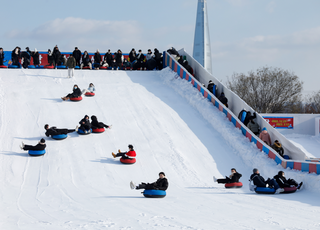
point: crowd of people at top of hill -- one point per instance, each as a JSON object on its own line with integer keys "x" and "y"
{"x": 116, "y": 60}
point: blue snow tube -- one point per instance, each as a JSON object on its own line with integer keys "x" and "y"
{"x": 265, "y": 190}
{"x": 61, "y": 67}
{"x": 14, "y": 67}
{"x": 40, "y": 67}
{"x": 77, "y": 67}
{"x": 36, "y": 152}
{"x": 154, "y": 193}
{"x": 59, "y": 137}
{"x": 31, "y": 67}
{"x": 83, "y": 133}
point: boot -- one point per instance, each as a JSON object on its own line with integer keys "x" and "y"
{"x": 114, "y": 155}
{"x": 214, "y": 179}
{"x": 132, "y": 185}
{"x": 77, "y": 127}
{"x": 119, "y": 151}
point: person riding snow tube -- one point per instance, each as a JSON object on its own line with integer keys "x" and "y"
{"x": 126, "y": 157}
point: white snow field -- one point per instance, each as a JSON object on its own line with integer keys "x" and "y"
{"x": 77, "y": 184}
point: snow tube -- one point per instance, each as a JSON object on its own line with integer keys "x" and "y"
{"x": 59, "y": 137}
{"x": 98, "y": 130}
{"x": 289, "y": 190}
{"x": 75, "y": 98}
{"x": 103, "y": 67}
{"x": 3, "y": 67}
{"x": 36, "y": 152}
{"x": 83, "y": 133}
{"x": 86, "y": 67}
{"x": 31, "y": 67}
{"x": 265, "y": 190}
{"x": 40, "y": 67}
{"x": 286, "y": 157}
{"x": 89, "y": 94}
{"x": 154, "y": 193}
{"x": 49, "y": 67}
{"x": 128, "y": 161}
{"x": 14, "y": 67}
{"x": 77, "y": 67}
{"x": 233, "y": 185}
{"x": 61, "y": 67}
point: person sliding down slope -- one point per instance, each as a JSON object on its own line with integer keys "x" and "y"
{"x": 160, "y": 184}
{"x": 76, "y": 93}
{"x": 54, "y": 131}
{"x": 85, "y": 124}
{"x": 234, "y": 177}
{"x": 95, "y": 124}
{"x": 126, "y": 155}
{"x": 40, "y": 146}
{"x": 283, "y": 182}
{"x": 259, "y": 181}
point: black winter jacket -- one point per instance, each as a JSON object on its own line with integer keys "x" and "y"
{"x": 77, "y": 55}
{"x": 95, "y": 123}
{"x": 35, "y": 57}
{"x": 235, "y": 177}
{"x": 249, "y": 117}
{"x": 76, "y": 92}
{"x": 282, "y": 181}
{"x": 162, "y": 184}
{"x": 258, "y": 180}
{"x": 97, "y": 58}
{"x": 54, "y": 131}
{"x": 86, "y": 59}
{"x": 132, "y": 56}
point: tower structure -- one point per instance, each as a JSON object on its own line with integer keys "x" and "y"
{"x": 201, "y": 45}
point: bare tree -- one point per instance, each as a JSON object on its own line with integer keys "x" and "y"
{"x": 268, "y": 90}
{"x": 313, "y": 102}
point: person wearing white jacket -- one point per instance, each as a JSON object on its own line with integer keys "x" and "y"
{"x": 90, "y": 89}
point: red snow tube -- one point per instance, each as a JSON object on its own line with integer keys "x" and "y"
{"x": 128, "y": 161}
{"x": 98, "y": 130}
{"x": 289, "y": 189}
{"x": 89, "y": 94}
{"x": 86, "y": 67}
{"x": 233, "y": 185}
{"x": 3, "y": 66}
{"x": 49, "y": 67}
{"x": 103, "y": 67}
{"x": 75, "y": 98}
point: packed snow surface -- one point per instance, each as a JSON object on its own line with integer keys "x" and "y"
{"x": 77, "y": 184}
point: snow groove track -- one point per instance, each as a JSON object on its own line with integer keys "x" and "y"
{"x": 79, "y": 185}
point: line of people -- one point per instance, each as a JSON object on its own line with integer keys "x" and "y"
{"x": 278, "y": 182}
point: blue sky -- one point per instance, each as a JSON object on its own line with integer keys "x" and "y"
{"x": 245, "y": 34}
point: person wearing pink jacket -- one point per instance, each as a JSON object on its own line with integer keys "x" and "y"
{"x": 264, "y": 136}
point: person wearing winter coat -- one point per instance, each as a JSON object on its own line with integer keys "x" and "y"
{"x": 26, "y": 58}
{"x": 15, "y": 56}
{"x": 158, "y": 57}
{"x": 97, "y": 60}
{"x": 77, "y": 55}
{"x": 223, "y": 99}
{"x": 35, "y": 56}
{"x": 91, "y": 89}
{"x": 126, "y": 155}
{"x": 95, "y": 124}
{"x": 278, "y": 147}
{"x": 76, "y": 93}
{"x": 118, "y": 58}
{"x": 259, "y": 181}
{"x": 149, "y": 55}
{"x": 1, "y": 56}
{"x": 265, "y": 137}
{"x": 160, "y": 184}
{"x": 40, "y": 146}
{"x": 71, "y": 64}
{"x": 285, "y": 183}
{"x": 50, "y": 58}
{"x": 140, "y": 61}
{"x": 254, "y": 127}
{"x": 85, "y": 124}
{"x": 86, "y": 61}
{"x": 212, "y": 87}
{"x": 234, "y": 177}
{"x": 51, "y": 131}
{"x": 56, "y": 56}
{"x": 132, "y": 55}
{"x": 109, "y": 58}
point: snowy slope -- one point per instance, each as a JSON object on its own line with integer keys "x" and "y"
{"x": 78, "y": 185}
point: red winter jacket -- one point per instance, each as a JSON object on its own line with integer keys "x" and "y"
{"x": 131, "y": 153}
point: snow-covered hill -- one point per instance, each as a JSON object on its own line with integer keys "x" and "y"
{"x": 77, "y": 184}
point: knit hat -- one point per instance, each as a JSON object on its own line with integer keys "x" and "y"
{"x": 162, "y": 173}
{"x": 264, "y": 129}
{"x": 255, "y": 170}
{"x": 42, "y": 141}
